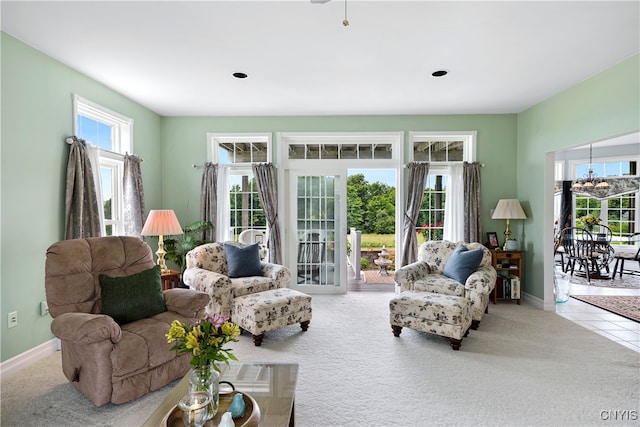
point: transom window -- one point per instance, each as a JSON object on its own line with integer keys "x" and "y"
{"x": 349, "y": 151}
{"x": 111, "y": 132}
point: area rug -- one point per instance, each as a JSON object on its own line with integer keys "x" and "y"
{"x": 626, "y": 306}
{"x": 627, "y": 281}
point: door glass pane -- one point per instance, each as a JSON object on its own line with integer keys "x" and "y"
{"x": 316, "y": 234}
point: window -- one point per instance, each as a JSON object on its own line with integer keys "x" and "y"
{"x": 619, "y": 213}
{"x": 111, "y": 132}
{"x": 240, "y": 151}
{"x": 441, "y": 150}
{"x": 245, "y": 208}
{"x": 431, "y": 217}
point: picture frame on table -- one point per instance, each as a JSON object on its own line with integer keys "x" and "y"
{"x": 492, "y": 240}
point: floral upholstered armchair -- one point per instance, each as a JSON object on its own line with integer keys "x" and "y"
{"x": 208, "y": 270}
{"x": 428, "y": 275}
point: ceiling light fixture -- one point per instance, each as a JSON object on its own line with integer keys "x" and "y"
{"x": 240, "y": 75}
{"x": 345, "y": 22}
{"x": 590, "y": 180}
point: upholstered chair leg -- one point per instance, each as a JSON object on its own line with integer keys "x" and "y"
{"x": 475, "y": 324}
{"x": 257, "y": 340}
{"x": 305, "y": 325}
{"x": 396, "y": 330}
{"x": 455, "y": 344}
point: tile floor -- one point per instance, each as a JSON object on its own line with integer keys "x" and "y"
{"x": 617, "y": 328}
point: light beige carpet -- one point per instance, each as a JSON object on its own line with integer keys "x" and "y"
{"x": 522, "y": 367}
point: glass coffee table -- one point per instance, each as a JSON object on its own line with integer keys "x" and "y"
{"x": 272, "y": 386}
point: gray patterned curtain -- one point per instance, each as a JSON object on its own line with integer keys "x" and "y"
{"x": 82, "y": 217}
{"x": 418, "y": 172}
{"x": 268, "y": 192}
{"x": 209, "y": 199}
{"x": 133, "y": 195}
{"x": 473, "y": 212}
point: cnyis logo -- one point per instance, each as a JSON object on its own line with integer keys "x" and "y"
{"x": 619, "y": 415}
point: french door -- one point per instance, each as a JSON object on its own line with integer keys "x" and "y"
{"x": 316, "y": 231}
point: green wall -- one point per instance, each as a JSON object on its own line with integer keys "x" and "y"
{"x": 185, "y": 145}
{"x": 603, "y": 106}
{"x": 36, "y": 119}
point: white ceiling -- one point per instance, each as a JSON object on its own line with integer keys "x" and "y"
{"x": 177, "y": 57}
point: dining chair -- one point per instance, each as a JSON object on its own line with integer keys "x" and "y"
{"x": 623, "y": 256}
{"x": 602, "y": 237}
{"x": 579, "y": 247}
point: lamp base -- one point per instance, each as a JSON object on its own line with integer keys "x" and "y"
{"x": 161, "y": 253}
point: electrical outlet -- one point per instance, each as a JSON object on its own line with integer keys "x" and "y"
{"x": 44, "y": 308}
{"x": 13, "y": 319}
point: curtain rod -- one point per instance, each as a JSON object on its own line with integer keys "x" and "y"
{"x": 70, "y": 141}
{"x": 446, "y": 164}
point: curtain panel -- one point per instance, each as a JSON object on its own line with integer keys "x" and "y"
{"x": 82, "y": 208}
{"x": 454, "y": 208}
{"x": 209, "y": 200}
{"x": 264, "y": 174}
{"x": 418, "y": 172}
{"x": 473, "y": 211}
{"x": 133, "y": 195}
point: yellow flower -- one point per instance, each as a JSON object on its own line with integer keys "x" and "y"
{"x": 215, "y": 341}
{"x": 231, "y": 329}
{"x": 176, "y": 331}
{"x": 192, "y": 343}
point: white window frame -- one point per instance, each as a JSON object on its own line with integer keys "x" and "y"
{"x": 469, "y": 143}
{"x": 214, "y": 140}
{"x": 121, "y": 142}
{"x": 469, "y": 149}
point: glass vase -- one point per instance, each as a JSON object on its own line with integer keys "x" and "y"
{"x": 206, "y": 378}
{"x": 561, "y": 286}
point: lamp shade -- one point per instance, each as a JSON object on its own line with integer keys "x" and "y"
{"x": 508, "y": 209}
{"x": 161, "y": 223}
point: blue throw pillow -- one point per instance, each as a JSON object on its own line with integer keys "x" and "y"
{"x": 243, "y": 261}
{"x": 462, "y": 263}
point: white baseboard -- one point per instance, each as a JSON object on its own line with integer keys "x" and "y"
{"x": 538, "y": 303}
{"x": 22, "y": 360}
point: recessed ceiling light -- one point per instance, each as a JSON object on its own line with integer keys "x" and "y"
{"x": 240, "y": 75}
{"x": 439, "y": 73}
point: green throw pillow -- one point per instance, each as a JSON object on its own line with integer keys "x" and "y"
{"x": 243, "y": 261}
{"x": 134, "y": 297}
{"x": 462, "y": 263}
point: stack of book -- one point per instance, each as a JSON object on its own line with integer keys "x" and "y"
{"x": 508, "y": 286}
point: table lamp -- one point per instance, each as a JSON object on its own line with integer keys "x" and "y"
{"x": 508, "y": 209}
{"x": 161, "y": 223}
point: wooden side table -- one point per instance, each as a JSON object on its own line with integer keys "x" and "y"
{"x": 508, "y": 265}
{"x": 170, "y": 280}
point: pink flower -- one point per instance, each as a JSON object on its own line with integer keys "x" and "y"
{"x": 217, "y": 320}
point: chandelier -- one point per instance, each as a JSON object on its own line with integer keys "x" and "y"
{"x": 590, "y": 180}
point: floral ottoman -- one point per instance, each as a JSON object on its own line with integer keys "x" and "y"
{"x": 270, "y": 310}
{"x": 445, "y": 315}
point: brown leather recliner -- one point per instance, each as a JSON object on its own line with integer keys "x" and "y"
{"x": 106, "y": 361}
